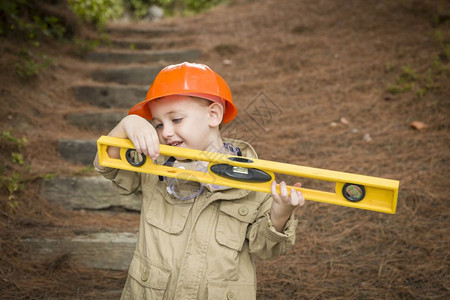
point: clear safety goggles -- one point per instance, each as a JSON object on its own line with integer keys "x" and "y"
{"x": 190, "y": 189}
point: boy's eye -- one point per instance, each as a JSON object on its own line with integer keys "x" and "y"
{"x": 177, "y": 120}
{"x": 158, "y": 126}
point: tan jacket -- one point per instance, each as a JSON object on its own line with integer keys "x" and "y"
{"x": 201, "y": 248}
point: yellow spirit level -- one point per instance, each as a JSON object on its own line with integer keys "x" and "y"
{"x": 352, "y": 190}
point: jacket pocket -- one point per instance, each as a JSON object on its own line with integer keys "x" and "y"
{"x": 233, "y": 221}
{"x": 169, "y": 215}
{"x": 146, "y": 280}
{"x": 231, "y": 290}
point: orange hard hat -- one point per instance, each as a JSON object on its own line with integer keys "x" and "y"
{"x": 188, "y": 79}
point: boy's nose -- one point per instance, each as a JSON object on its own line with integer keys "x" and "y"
{"x": 167, "y": 131}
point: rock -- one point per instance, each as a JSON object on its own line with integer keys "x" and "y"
{"x": 143, "y": 31}
{"x": 155, "y": 13}
{"x": 92, "y": 193}
{"x": 112, "y": 251}
{"x": 112, "y": 96}
{"x": 100, "y": 122}
{"x": 389, "y": 97}
{"x": 136, "y": 44}
{"x": 78, "y": 151}
{"x": 127, "y": 57}
{"x": 134, "y": 75}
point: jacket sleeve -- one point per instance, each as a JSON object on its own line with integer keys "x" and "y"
{"x": 125, "y": 182}
{"x": 264, "y": 241}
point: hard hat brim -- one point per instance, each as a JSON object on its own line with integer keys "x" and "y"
{"x": 142, "y": 108}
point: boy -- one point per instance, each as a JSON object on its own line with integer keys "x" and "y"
{"x": 199, "y": 246}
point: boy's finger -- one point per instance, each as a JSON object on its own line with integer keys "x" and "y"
{"x": 143, "y": 145}
{"x": 294, "y": 197}
{"x": 149, "y": 147}
{"x": 137, "y": 145}
{"x": 301, "y": 198}
{"x": 155, "y": 143}
{"x": 273, "y": 189}
{"x": 283, "y": 191}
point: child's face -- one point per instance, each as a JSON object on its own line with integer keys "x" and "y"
{"x": 183, "y": 121}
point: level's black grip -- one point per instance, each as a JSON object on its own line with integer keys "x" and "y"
{"x": 241, "y": 174}
{"x": 240, "y": 159}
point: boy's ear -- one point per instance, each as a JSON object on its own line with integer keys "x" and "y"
{"x": 215, "y": 114}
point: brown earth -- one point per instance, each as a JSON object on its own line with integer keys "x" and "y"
{"x": 325, "y": 69}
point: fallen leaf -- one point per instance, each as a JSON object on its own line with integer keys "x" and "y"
{"x": 344, "y": 121}
{"x": 418, "y": 125}
{"x": 367, "y": 138}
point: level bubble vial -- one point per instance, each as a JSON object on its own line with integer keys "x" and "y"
{"x": 353, "y": 192}
{"x": 135, "y": 158}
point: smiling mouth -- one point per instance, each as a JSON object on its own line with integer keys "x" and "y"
{"x": 175, "y": 144}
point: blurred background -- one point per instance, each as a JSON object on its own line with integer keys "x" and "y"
{"x": 347, "y": 85}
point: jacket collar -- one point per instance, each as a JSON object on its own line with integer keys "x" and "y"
{"x": 224, "y": 192}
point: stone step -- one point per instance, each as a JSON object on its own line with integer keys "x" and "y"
{"x": 128, "y": 75}
{"x": 78, "y": 151}
{"x": 89, "y": 193}
{"x": 97, "y": 121}
{"x": 149, "y": 45}
{"x": 128, "y": 57}
{"x": 143, "y": 31}
{"x": 112, "y": 251}
{"x": 115, "y": 96}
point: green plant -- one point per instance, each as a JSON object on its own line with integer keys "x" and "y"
{"x": 407, "y": 76}
{"x": 85, "y": 170}
{"x": 8, "y": 137}
{"x": 19, "y": 18}
{"x": 421, "y": 91}
{"x": 29, "y": 64}
{"x": 10, "y": 171}
{"x": 49, "y": 26}
{"x": 405, "y": 82}
{"x": 388, "y": 67}
{"x": 97, "y": 12}
{"x": 438, "y": 37}
{"x": 83, "y": 46}
{"x": 17, "y": 158}
{"x": 395, "y": 89}
{"x": 138, "y": 7}
{"x": 200, "y": 5}
{"x": 13, "y": 184}
{"x": 47, "y": 177}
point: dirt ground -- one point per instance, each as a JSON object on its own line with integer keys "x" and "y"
{"x": 348, "y": 85}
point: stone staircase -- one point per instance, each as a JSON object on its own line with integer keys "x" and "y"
{"x": 124, "y": 71}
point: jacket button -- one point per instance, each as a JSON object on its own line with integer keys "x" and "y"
{"x": 230, "y": 295}
{"x": 144, "y": 276}
{"x": 243, "y": 210}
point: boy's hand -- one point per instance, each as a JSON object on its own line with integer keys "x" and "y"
{"x": 283, "y": 205}
{"x": 142, "y": 134}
